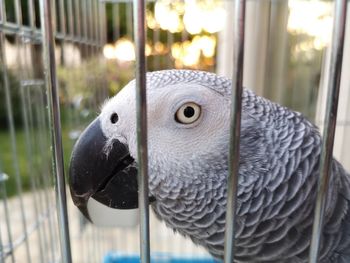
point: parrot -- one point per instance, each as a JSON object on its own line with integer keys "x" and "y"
{"x": 188, "y": 125}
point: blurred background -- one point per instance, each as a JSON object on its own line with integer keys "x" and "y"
{"x": 286, "y": 60}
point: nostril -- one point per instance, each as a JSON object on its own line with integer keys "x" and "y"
{"x": 114, "y": 118}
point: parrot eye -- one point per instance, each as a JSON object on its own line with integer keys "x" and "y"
{"x": 188, "y": 113}
{"x": 114, "y": 118}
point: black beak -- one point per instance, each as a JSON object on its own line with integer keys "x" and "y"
{"x": 109, "y": 179}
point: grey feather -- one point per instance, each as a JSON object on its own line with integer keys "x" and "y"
{"x": 279, "y": 166}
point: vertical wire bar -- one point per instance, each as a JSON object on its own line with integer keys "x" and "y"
{"x": 45, "y": 169}
{"x": 40, "y": 142}
{"x": 35, "y": 143}
{"x": 3, "y": 178}
{"x": 156, "y": 58}
{"x": 97, "y": 27}
{"x": 103, "y": 24}
{"x": 184, "y": 35}
{"x": 235, "y": 127}
{"x": 2, "y": 254}
{"x": 54, "y": 119}
{"x": 85, "y": 243}
{"x": 90, "y": 244}
{"x": 95, "y": 245}
{"x": 330, "y": 124}
{"x": 77, "y": 18}
{"x": 100, "y": 242}
{"x": 141, "y": 116}
{"x": 70, "y": 18}
{"x": 96, "y": 34}
{"x": 62, "y": 18}
{"x": 85, "y": 30}
{"x": 90, "y": 48}
{"x": 44, "y": 196}
{"x": 49, "y": 201}
{"x": 12, "y": 129}
{"x": 170, "y": 41}
{"x": 103, "y": 38}
{"x": 78, "y": 35}
{"x": 129, "y": 21}
{"x": 90, "y": 27}
{"x": 3, "y": 11}
{"x": 62, "y": 15}
{"x": 7, "y": 220}
{"x": 116, "y": 22}
{"x": 103, "y": 240}
{"x": 85, "y": 21}
{"x": 55, "y": 25}
{"x": 31, "y": 14}
{"x": 97, "y": 49}
{"x": 30, "y": 166}
{"x": 18, "y": 13}
{"x": 93, "y": 56}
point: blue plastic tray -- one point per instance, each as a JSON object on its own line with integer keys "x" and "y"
{"x": 115, "y": 257}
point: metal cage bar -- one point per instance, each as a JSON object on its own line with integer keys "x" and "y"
{"x": 56, "y": 136}
{"x": 3, "y": 178}
{"x": 141, "y": 116}
{"x": 330, "y": 124}
{"x": 24, "y": 94}
{"x": 235, "y": 127}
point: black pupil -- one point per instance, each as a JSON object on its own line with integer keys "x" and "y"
{"x": 114, "y": 118}
{"x": 189, "y": 112}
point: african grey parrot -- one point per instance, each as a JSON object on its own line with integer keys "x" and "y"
{"x": 188, "y": 137}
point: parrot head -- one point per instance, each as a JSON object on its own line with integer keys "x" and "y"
{"x": 188, "y": 136}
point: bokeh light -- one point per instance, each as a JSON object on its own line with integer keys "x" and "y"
{"x": 201, "y": 19}
{"x": 191, "y": 15}
{"x": 188, "y": 53}
{"x": 123, "y": 50}
{"x": 312, "y": 18}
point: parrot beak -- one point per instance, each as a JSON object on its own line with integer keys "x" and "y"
{"x": 104, "y": 187}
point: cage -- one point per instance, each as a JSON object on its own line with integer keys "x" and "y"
{"x": 61, "y": 59}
